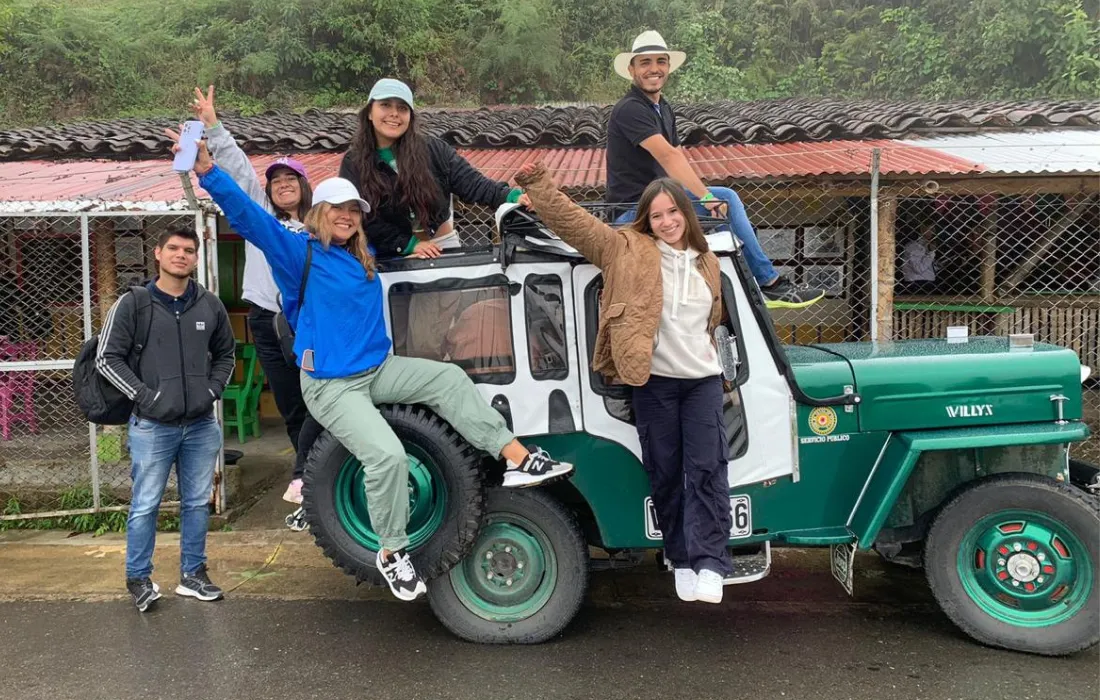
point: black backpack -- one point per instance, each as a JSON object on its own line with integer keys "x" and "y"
{"x": 98, "y": 399}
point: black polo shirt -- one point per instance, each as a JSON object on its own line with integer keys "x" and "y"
{"x": 630, "y": 168}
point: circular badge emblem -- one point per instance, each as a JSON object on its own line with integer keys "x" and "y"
{"x": 823, "y": 420}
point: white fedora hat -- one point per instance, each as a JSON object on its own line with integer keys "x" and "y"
{"x": 648, "y": 42}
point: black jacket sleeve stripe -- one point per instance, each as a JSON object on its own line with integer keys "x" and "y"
{"x": 116, "y": 340}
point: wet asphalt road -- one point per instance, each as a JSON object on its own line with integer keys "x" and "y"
{"x": 249, "y": 648}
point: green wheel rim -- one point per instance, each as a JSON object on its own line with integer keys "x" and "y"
{"x": 427, "y": 500}
{"x": 1025, "y": 568}
{"x": 511, "y": 572}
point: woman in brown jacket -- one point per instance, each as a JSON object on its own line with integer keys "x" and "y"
{"x": 660, "y": 305}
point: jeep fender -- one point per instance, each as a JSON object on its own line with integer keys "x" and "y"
{"x": 902, "y": 450}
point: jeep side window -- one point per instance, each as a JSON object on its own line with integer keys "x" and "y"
{"x": 466, "y": 322}
{"x": 616, "y": 396}
{"x": 545, "y": 319}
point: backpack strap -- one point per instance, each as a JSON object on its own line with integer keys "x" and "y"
{"x": 305, "y": 275}
{"x": 143, "y": 318}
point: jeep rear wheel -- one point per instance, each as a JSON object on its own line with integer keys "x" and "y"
{"x": 446, "y": 497}
{"x": 1013, "y": 562}
{"x": 525, "y": 578}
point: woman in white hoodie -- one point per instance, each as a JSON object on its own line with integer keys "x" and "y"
{"x": 288, "y": 196}
{"x": 661, "y": 302}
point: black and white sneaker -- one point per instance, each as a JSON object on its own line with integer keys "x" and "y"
{"x": 536, "y": 469}
{"x": 143, "y": 591}
{"x": 783, "y": 294}
{"x": 198, "y": 585}
{"x": 405, "y": 583}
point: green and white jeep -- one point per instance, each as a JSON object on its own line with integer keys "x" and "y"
{"x": 962, "y": 447}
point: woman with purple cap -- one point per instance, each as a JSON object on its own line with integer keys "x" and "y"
{"x": 287, "y": 196}
{"x": 412, "y": 177}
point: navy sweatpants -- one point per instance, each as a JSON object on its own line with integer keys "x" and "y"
{"x": 683, "y": 441}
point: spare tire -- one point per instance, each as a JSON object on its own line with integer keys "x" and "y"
{"x": 446, "y": 495}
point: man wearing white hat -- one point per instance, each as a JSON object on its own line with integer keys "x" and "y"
{"x": 642, "y": 145}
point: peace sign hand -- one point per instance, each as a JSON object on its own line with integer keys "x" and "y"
{"x": 203, "y": 107}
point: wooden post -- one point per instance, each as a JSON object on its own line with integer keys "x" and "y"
{"x": 104, "y": 267}
{"x": 989, "y": 255}
{"x": 887, "y": 216}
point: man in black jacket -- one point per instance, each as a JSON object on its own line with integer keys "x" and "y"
{"x": 184, "y": 369}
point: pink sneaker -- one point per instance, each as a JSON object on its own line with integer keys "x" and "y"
{"x": 294, "y": 492}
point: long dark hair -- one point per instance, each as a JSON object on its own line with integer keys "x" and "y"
{"x": 416, "y": 189}
{"x": 693, "y": 231}
{"x": 304, "y": 204}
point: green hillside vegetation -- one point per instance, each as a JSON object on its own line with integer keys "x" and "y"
{"x": 65, "y": 60}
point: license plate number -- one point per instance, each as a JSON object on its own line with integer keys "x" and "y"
{"x": 740, "y": 510}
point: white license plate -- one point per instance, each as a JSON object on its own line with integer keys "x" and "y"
{"x": 740, "y": 509}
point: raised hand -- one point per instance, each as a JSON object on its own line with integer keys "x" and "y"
{"x": 203, "y": 107}
{"x": 528, "y": 168}
{"x": 203, "y": 161}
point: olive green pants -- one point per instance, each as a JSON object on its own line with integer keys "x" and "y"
{"x": 346, "y": 407}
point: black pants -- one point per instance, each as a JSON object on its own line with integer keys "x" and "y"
{"x": 684, "y": 452}
{"x": 284, "y": 381}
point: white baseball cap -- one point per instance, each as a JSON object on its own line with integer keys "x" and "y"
{"x": 389, "y": 88}
{"x": 337, "y": 190}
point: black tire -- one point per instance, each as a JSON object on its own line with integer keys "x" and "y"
{"x": 560, "y": 529}
{"x": 1068, "y": 506}
{"x": 460, "y": 465}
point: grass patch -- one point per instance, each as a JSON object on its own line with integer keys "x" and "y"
{"x": 77, "y": 498}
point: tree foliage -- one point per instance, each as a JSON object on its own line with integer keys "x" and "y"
{"x": 65, "y": 59}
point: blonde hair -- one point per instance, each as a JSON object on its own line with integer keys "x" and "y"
{"x": 316, "y": 222}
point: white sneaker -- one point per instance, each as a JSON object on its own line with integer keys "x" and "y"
{"x": 685, "y": 584}
{"x": 537, "y": 468}
{"x": 405, "y": 583}
{"x": 708, "y": 587}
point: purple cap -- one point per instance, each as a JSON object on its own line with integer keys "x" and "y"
{"x": 288, "y": 163}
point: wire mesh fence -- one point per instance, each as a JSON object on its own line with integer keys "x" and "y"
{"x": 59, "y": 276}
{"x": 898, "y": 259}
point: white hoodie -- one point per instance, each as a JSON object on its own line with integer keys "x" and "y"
{"x": 682, "y": 348}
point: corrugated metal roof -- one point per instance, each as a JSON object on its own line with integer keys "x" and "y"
{"x": 1047, "y": 151}
{"x": 154, "y": 181}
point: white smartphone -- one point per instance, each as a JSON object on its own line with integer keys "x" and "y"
{"x": 189, "y": 146}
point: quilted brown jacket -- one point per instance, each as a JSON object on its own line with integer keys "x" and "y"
{"x": 632, "y": 289}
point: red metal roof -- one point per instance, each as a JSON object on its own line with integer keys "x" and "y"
{"x": 154, "y": 180}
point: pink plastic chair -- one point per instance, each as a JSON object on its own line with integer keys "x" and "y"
{"x": 17, "y": 386}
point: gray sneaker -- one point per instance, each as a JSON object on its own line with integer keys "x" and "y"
{"x": 143, "y": 591}
{"x": 198, "y": 585}
{"x": 783, "y": 294}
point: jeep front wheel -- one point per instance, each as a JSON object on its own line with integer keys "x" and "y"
{"x": 446, "y": 497}
{"x": 1013, "y": 562}
{"x": 525, "y": 578}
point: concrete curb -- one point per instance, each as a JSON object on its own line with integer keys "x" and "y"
{"x": 280, "y": 564}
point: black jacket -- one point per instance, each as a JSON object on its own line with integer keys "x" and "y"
{"x": 186, "y": 364}
{"x": 389, "y": 225}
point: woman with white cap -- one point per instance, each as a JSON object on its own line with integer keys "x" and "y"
{"x": 287, "y": 195}
{"x": 347, "y": 368}
{"x": 412, "y": 177}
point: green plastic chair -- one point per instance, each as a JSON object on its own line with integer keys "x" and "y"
{"x": 242, "y": 401}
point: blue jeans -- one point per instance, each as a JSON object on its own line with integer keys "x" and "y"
{"x": 154, "y": 448}
{"x": 759, "y": 263}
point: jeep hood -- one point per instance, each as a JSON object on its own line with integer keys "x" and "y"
{"x": 917, "y": 384}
